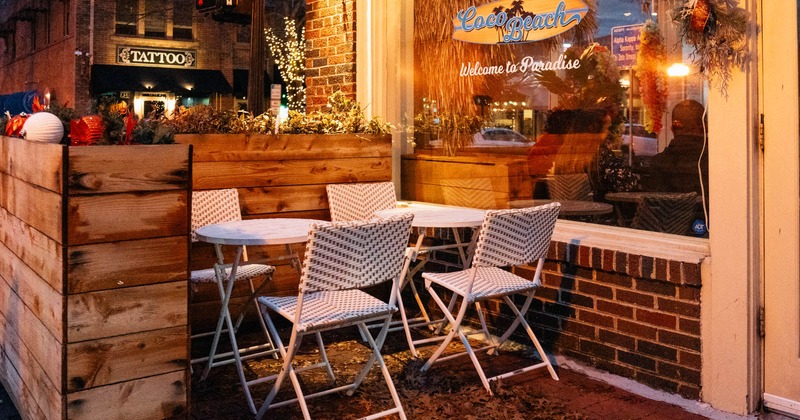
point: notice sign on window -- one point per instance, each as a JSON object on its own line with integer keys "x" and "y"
{"x": 625, "y": 44}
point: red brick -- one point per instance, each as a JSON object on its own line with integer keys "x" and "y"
{"x": 576, "y": 299}
{"x": 679, "y": 373}
{"x": 615, "y": 308}
{"x": 584, "y": 330}
{"x": 595, "y": 289}
{"x": 661, "y": 269}
{"x": 690, "y": 392}
{"x": 674, "y": 272}
{"x": 584, "y": 256}
{"x": 617, "y": 339}
{"x": 647, "y": 267}
{"x": 685, "y": 341}
{"x": 637, "y": 360}
{"x": 689, "y": 293}
{"x": 596, "y": 258}
{"x": 689, "y": 359}
{"x": 614, "y": 278}
{"x": 598, "y": 350}
{"x": 657, "y": 319}
{"x": 636, "y": 329}
{"x": 596, "y": 319}
{"x": 621, "y": 262}
{"x": 608, "y": 260}
{"x": 635, "y": 265}
{"x": 691, "y": 326}
{"x": 559, "y": 310}
{"x": 639, "y": 299}
{"x": 689, "y": 310}
{"x": 658, "y": 383}
{"x": 657, "y": 287}
{"x": 691, "y": 274}
{"x": 657, "y": 350}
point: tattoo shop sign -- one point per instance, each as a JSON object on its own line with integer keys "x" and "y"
{"x": 515, "y": 21}
{"x": 161, "y": 57}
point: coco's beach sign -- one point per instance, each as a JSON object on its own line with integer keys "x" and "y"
{"x": 510, "y": 21}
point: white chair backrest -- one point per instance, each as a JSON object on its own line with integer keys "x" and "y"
{"x": 359, "y": 201}
{"x": 214, "y": 206}
{"x": 516, "y": 236}
{"x": 351, "y": 255}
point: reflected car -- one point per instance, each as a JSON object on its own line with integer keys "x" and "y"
{"x": 500, "y": 137}
{"x": 645, "y": 143}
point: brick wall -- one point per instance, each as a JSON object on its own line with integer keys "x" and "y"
{"x": 330, "y": 50}
{"x": 631, "y": 315}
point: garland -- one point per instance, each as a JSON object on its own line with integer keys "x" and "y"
{"x": 717, "y": 30}
{"x": 649, "y": 68}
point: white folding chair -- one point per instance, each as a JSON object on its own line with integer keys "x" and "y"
{"x": 217, "y": 206}
{"x": 360, "y": 201}
{"x": 341, "y": 258}
{"x": 507, "y": 238}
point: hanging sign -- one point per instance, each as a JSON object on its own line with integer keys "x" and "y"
{"x": 625, "y": 44}
{"x": 160, "y": 57}
{"x": 515, "y": 21}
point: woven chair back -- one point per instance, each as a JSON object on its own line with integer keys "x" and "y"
{"x": 514, "y": 237}
{"x": 665, "y": 213}
{"x": 359, "y": 201}
{"x": 570, "y": 187}
{"x": 214, "y": 206}
{"x": 353, "y": 255}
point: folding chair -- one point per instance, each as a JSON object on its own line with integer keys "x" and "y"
{"x": 570, "y": 187}
{"x": 341, "y": 258}
{"x": 217, "y": 206}
{"x": 507, "y": 238}
{"x": 360, "y": 201}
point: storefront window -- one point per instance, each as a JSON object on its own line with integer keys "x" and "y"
{"x": 182, "y": 19}
{"x": 519, "y": 102}
{"x": 155, "y": 20}
{"x": 127, "y": 11}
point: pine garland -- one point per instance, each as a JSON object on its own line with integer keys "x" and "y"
{"x": 650, "y": 65}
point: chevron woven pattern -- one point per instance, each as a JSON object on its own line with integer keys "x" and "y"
{"x": 570, "y": 187}
{"x": 490, "y": 282}
{"x": 214, "y": 206}
{"x": 516, "y": 236}
{"x": 349, "y": 202}
{"x": 665, "y": 213}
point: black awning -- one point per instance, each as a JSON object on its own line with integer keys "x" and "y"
{"x": 109, "y": 78}
{"x": 241, "y": 81}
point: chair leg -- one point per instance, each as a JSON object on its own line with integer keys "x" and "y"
{"x": 474, "y": 359}
{"x": 324, "y": 355}
{"x": 286, "y": 369}
{"x": 532, "y": 336}
{"x": 455, "y": 325}
{"x": 487, "y": 336}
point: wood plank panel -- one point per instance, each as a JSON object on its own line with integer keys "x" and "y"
{"x": 323, "y": 214}
{"x": 132, "y": 400}
{"x": 110, "y": 313}
{"x": 15, "y": 160}
{"x": 425, "y": 171}
{"x": 34, "y": 205}
{"x": 127, "y": 263}
{"x": 21, "y": 367}
{"x": 99, "y": 169}
{"x": 118, "y": 359}
{"x": 22, "y": 326}
{"x": 210, "y": 175}
{"x": 231, "y": 148}
{"x": 41, "y": 253}
{"x": 283, "y": 199}
{"x": 24, "y": 399}
{"x": 36, "y": 294}
{"x": 127, "y": 216}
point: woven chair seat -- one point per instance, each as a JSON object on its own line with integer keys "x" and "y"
{"x": 490, "y": 282}
{"x": 244, "y": 272}
{"x": 322, "y": 310}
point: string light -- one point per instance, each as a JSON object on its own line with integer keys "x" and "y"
{"x": 290, "y": 55}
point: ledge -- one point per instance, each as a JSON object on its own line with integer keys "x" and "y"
{"x": 631, "y": 241}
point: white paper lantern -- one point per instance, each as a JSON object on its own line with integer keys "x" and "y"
{"x": 44, "y": 127}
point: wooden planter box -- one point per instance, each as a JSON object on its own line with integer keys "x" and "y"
{"x": 277, "y": 176}
{"x": 93, "y": 279}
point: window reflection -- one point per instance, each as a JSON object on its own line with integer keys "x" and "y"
{"x": 560, "y": 117}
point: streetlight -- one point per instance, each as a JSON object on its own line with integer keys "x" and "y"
{"x": 679, "y": 70}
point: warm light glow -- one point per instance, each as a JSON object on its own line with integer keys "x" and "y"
{"x": 625, "y": 82}
{"x": 626, "y": 14}
{"x": 678, "y": 70}
{"x": 138, "y": 107}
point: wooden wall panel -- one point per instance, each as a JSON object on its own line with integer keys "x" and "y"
{"x": 283, "y": 199}
{"x": 21, "y": 326}
{"x": 126, "y": 216}
{"x": 24, "y": 398}
{"x": 213, "y": 175}
{"x": 232, "y": 148}
{"x": 124, "y": 311}
{"x": 48, "y": 173}
{"x": 42, "y": 254}
{"x": 115, "y": 265}
{"x": 36, "y": 206}
{"x": 99, "y": 169}
{"x": 118, "y": 359}
{"x": 133, "y": 399}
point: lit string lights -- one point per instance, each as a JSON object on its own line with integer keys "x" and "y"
{"x": 290, "y": 55}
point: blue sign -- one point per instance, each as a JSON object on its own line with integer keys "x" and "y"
{"x": 625, "y": 44}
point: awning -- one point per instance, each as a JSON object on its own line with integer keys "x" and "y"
{"x": 186, "y": 82}
{"x": 241, "y": 81}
